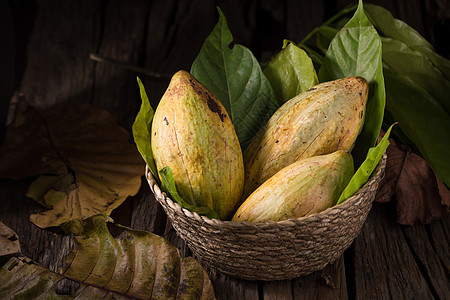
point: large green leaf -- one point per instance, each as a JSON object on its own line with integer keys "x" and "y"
{"x": 417, "y": 89}
{"x": 391, "y": 27}
{"x": 235, "y": 77}
{"x": 290, "y": 73}
{"x": 356, "y": 51}
{"x": 315, "y": 55}
{"x": 405, "y": 51}
{"x": 421, "y": 118}
{"x": 416, "y": 54}
{"x": 142, "y": 127}
{"x": 412, "y": 63}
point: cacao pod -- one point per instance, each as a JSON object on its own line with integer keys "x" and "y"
{"x": 326, "y": 118}
{"x": 304, "y": 187}
{"x": 193, "y": 135}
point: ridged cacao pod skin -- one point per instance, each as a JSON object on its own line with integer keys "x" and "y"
{"x": 304, "y": 187}
{"x": 322, "y": 120}
{"x": 193, "y": 135}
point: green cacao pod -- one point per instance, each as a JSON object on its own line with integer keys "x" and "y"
{"x": 193, "y": 135}
{"x": 322, "y": 120}
{"x": 304, "y": 187}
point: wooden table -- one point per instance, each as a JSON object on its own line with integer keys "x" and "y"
{"x": 54, "y": 40}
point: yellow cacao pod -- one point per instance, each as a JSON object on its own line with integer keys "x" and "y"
{"x": 193, "y": 135}
{"x": 304, "y": 187}
{"x": 326, "y": 118}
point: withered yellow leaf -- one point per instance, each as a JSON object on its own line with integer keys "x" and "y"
{"x": 9, "y": 242}
{"x": 92, "y": 165}
{"x": 139, "y": 264}
{"x": 136, "y": 265}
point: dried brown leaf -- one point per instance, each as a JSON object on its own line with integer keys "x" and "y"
{"x": 137, "y": 265}
{"x": 94, "y": 168}
{"x": 20, "y": 278}
{"x": 409, "y": 179}
{"x": 28, "y": 150}
{"x": 9, "y": 241}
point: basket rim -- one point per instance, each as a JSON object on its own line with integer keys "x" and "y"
{"x": 162, "y": 196}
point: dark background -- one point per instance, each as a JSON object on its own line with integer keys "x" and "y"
{"x": 163, "y": 36}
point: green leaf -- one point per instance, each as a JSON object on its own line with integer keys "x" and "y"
{"x": 316, "y": 57}
{"x": 356, "y": 51}
{"x": 412, "y": 63}
{"x": 290, "y": 73}
{"x": 417, "y": 88}
{"x": 235, "y": 77}
{"x": 422, "y": 119}
{"x": 388, "y": 26}
{"x": 366, "y": 169}
{"x": 168, "y": 186}
{"x": 142, "y": 127}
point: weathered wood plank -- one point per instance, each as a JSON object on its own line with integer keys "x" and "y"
{"x": 7, "y": 61}
{"x": 47, "y": 247}
{"x": 57, "y": 69}
{"x": 176, "y": 240}
{"x": 303, "y": 17}
{"x": 58, "y": 66}
{"x": 329, "y": 283}
{"x": 384, "y": 266}
{"x": 439, "y": 232}
{"x": 425, "y": 247}
{"x": 175, "y": 33}
{"x": 122, "y": 38}
{"x": 147, "y": 213}
{"x": 243, "y": 17}
{"x": 274, "y": 290}
{"x": 231, "y": 288}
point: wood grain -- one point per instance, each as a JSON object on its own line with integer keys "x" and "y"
{"x": 58, "y": 66}
{"x": 426, "y": 253}
{"x": 329, "y": 283}
{"x": 122, "y": 38}
{"x": 384, "y": 265}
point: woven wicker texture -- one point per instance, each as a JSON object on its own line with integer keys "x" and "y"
{"x": 272, "y": 250}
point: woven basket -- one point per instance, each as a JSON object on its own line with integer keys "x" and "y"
{"x": 272, "y": 250}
